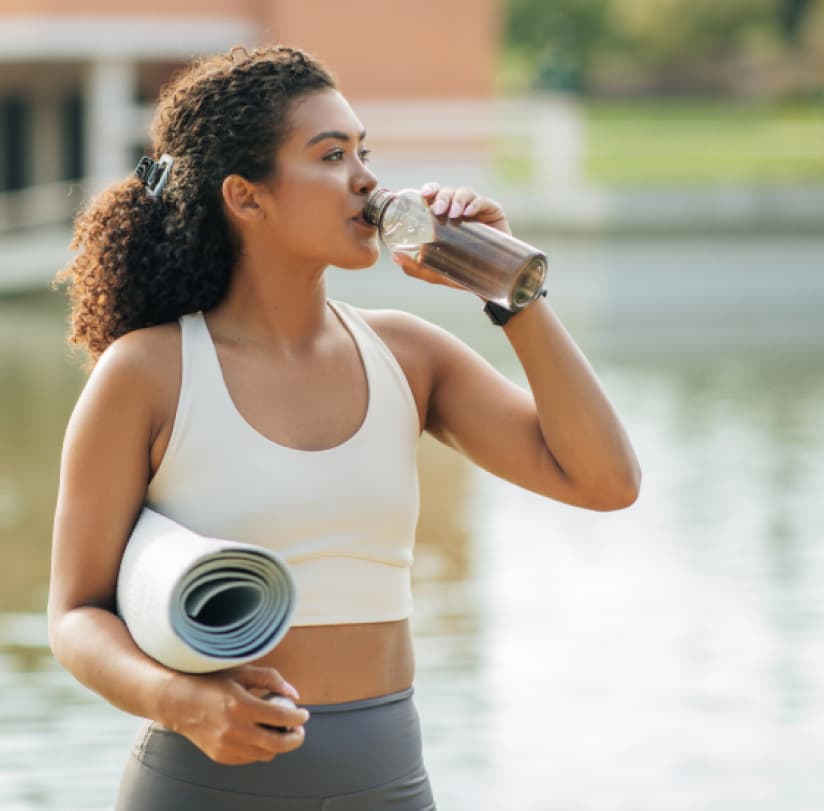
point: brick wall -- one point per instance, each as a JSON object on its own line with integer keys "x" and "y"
{"x": 375, "y": 48}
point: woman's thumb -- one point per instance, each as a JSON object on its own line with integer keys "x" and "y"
{"x": 264, "y": 678}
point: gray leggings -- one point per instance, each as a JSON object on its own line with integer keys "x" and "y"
{"x": 358, "y": 756}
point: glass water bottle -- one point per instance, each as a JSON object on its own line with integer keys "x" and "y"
{"x": 495, "y": 265}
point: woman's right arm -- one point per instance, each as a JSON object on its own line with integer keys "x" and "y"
{"x": 103, "y": 478}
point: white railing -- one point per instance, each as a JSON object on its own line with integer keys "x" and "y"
{"x": 489, "y": 139}
{"x": 534, "y": 142}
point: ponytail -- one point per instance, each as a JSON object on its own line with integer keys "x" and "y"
{"x": 142, "y": 263}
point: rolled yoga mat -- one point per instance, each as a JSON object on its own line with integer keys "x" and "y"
{"x": 201, "y": 604}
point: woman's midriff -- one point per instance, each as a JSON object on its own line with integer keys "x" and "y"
{"x": 330, "y": 664}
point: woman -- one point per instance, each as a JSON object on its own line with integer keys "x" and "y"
{"x": 229, "y": 394}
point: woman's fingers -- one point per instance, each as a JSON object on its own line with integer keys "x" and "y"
{"x": 272, "y": 743}
{"x": 462, "y": 197}
{"x": 418, "y": 271}
{"x": 449, "y": 202}
{"x": 263, "y": 678}
{"x": 277, "y": 712}
{"x": 484, "y": 208}
{"x": 441, "y": 202}
{"x": 237, "y": 745}
{"x": 464, "y": 202}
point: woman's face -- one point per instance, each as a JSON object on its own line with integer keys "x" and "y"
{"x": 321, "y": 184}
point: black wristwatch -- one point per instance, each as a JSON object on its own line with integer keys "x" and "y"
{"x": 500, "y": 315}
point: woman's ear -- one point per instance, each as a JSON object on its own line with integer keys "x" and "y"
{"x": 242, "y": 198}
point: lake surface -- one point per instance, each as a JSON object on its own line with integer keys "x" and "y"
{"x": 664, "y": 658}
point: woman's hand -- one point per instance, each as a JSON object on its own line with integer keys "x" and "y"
{"x": 453, "y": 204}
{"x": 222, "y": 716}
{"x": 465, "y": 203}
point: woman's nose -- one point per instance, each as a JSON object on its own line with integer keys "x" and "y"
{"x": 364, "y": 181}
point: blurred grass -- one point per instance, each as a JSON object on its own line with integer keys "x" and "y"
{"x": 38, "y": 386}
{"x": 703, "y": 142}
{"x": 689, "y": 142}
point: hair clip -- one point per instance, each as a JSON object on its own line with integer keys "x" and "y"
{"x": 154, "y": 174}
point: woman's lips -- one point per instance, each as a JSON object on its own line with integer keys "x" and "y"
{"x": 360, "y": 220}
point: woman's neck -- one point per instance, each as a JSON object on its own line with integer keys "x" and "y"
{"x": 273, "y": 303}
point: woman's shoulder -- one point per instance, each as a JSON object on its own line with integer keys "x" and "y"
{"x": 132, "y": 389}
{"x": 411, "y": 336}
{"x": 399, "y": 326}
{"x": 423, "y": 349}
{"x": 149, "y": 350}
{"x": 144, "y": 363}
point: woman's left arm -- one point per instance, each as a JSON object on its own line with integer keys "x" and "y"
{"x": 565, "y": 441}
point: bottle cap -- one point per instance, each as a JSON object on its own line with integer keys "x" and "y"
{"x": 375, "y": 204}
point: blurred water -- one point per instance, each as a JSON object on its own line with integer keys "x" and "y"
{"x": 665, "y": 658}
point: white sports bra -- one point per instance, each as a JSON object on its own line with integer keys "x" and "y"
{"x": 343, "y": 518}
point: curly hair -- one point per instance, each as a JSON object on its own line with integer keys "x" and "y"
{"x": 146, "y": 260}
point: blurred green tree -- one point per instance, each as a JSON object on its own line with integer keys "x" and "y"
{"x": 653, "y": 44}
{"x": 791, "y": 15}
{"x": 557, "y": 38}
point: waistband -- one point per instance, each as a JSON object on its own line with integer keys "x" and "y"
{"x": 361, "y": 704}
{"x": 352, "y": 747}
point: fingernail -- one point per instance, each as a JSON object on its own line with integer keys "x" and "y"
{"x": 428, "y": 188}
{"x": 470, "y": 210}
{"x": 455, "y": 211}
{"x": 439, "y": 207}
{"x": 293, "y": 692}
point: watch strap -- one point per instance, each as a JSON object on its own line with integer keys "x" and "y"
{"x": 499, "y": 315}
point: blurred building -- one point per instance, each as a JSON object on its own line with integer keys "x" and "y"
{"x": 78, "y": 79}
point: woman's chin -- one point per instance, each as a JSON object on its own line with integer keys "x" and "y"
{"x": 358, "y": 260}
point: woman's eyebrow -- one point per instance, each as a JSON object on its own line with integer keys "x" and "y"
{"x": 336, "y": 134}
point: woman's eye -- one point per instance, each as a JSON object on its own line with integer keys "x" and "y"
{"x": 339, "y": 155}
